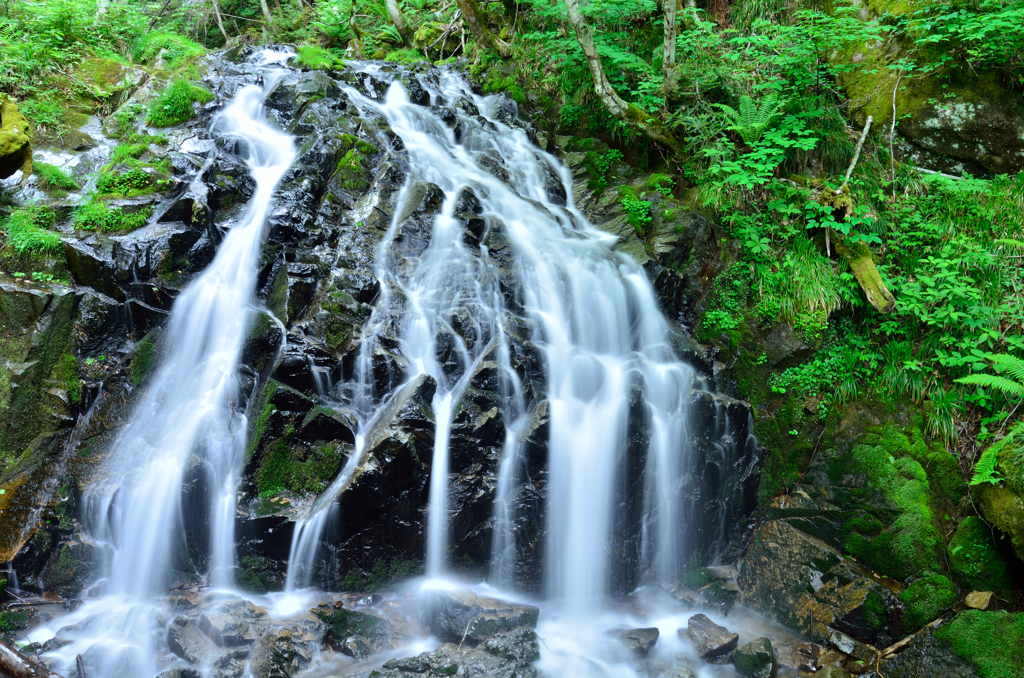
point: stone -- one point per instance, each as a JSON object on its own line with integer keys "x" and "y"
{"x": 458, "y": 614}
{"x": 756, "y": 659}
{"x": 639, "y": 641}
{"x": 356, "y": 634}
{"x": 186, "y": 639}
{"x": 928, "y": 656}
{"x": 725, "y": 572}
{"x": 235, "y": 623}
{"x": 979, "y": 600}
{"x": 15, "y": 149}
{"x": 708, "y": 638}
{"x": 793, "y": 577}
{"x": 282, "y": 652}
{"x": 518, "y": 645}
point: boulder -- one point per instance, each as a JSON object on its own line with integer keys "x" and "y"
{"x": 15, "y": 149}
{"x": 187, "y": 640}
{"x": 708, "y": 638}
{"x": 640, "y": 641}
{"x": 234, "y": 623}
{"x": 756, "y": 659}
{"x": 463, "y": 614}
{"x": 355, "y": 633}
{"x": 284, "y": 651}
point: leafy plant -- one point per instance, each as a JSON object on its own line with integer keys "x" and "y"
{"x": 985, "y": 470}
{"x": 752, "y": 120}
{"x": 27, "y": 231}
{"x": 51, "y": 177}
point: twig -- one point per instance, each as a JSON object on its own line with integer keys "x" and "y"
{"x": 941, "y": 174}
{"x": 467, "y": 632}
{"x": 892, "y": 132}
{"x": 856, "y": 155}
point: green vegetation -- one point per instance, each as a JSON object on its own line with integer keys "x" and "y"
{"x": 925, "y": 600}
{"x": 53, "y": 178}
{"x": 175, "y": 104}
{"x": 316, "y": 58}
{"x": 143, "y": 360}
{"x": 992, "y": 641}
{"x": 99, "y": 216}
{"x": 27, "y": 231}
{"x": 382, "y": 574}
{"x": 974, "y": 560}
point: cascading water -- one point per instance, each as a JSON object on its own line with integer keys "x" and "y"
{"x": 591, "y": 311}
{"x": 191, "y": 408}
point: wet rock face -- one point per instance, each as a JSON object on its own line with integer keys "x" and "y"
{"x": 318, "y": 287}
{"x": 709, "y": 639}
{"x": 756, "y": 659}
{"x": 505, "y": 655}
{"x": 465, "y": 615}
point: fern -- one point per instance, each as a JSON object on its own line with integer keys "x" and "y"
{"x": 985, "y": 470}
{"x": 751, "y": 121}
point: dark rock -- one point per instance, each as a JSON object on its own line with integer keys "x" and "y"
{"x": 519, "y": 645}
{"x": 186, "y": 639}
{"x": 355, "y": 633}
{"x": 458, "y": 614}
{"x": 285, "y": 651}
{"x": 640, "y": 641}
{"x": 418, "y": 664}
{"x": 785, "y": 348}
{"x": 929, "y": 656}
{"x": 756, "y": 659}
{"x": 708, "y": 638}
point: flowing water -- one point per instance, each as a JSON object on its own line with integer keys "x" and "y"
{"x": 591, "y": 310}
{"x": 609, "y": 371}
{"x": 189, "y": 413}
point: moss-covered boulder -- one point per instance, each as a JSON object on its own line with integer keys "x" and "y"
{"x": 15, "y": 149}
{"x": 975, "y": 560}
{"x": 926, "y": 599}
{"x": 953, "y": 120}
{"x": 1003, "y": 506}
{"x": 992, "y": 641}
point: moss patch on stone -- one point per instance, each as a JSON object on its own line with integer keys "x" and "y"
{"x": 175, "y": 104}
{"x": 974, "y": 559}
{"x": 96, "y": 215}
{"x": 925, "y": 600}
{"x": 992, "y": 641}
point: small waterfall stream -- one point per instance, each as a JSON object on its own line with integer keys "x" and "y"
{"x": 591, "y": 310}
{"x": 190, "y": 407}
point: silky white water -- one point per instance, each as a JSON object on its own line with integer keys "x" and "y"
{"x": 592, "y": 312}
{"x": 189, "y": 413}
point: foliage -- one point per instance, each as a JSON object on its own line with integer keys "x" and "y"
{"x": 175, "y": 50}
{"x": 97, "y": 215}
{"x": 752, "y": 120}
{"x": 51, "y": 177}
{"x": 985, "y": 470}
{"x": 27, "y": 230}
{"x": 315, "y": 57}
{"x": 175, "y": 104}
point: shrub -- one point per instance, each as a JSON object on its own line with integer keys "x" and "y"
{"x": 174, "y": 105}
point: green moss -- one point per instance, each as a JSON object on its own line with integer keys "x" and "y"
{"x": 275, "y": 471}
{"x": 51, "y": 177}
{"x": 992, "y": 641}
{"x": 143, "y": 360}
{"x": 351, "y": 174}
{"x": 130, "y": 183}
{"x": 316, "y": 58}
{"x": 382, "y": 574}
{"x": 175, "y": 104}
{"x": 259, "y": 575}
{"x": 695, "y": 577}
{"x": 875, "y": 614}
{"x": 66, "y": 374}
{"x": 404, "y": 56}
{"x": 98, "y": 216}
{"x": 974, "y": 560}
{"x": 13, "y": 621}
{"x": 177, "y": 49}
{"x": 926, "y": 599}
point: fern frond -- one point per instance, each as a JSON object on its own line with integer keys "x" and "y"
{"x": 991, "y": 381}
{"x": 1019, "y": 244}
{"x": 1014, "y": 366}
{"x": 985, "y": 470}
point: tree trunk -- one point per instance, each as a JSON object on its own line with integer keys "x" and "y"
{"x": 718, "y": 11}
{"x": 399, "y": 21}
{"x": 862, "y": 265}
{"x": 474, "y": 18}
{"x": 668, "y": 54}
{"x": 220, "y": 20}
{"x": 606, "y": 93}
{"x": 266, "y": 13}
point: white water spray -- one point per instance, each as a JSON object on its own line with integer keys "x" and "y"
{"x": 189, "y": 413}
{"x": 592, "y": 312}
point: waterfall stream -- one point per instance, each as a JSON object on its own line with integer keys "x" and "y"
{"x": 591, "y": 310}
{"x": 189, "y": 408}
{"x": 500, "y": 279}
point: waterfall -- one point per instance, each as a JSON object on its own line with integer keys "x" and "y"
{"x": 590, "y": 310}
{"x": 189, "y": 412}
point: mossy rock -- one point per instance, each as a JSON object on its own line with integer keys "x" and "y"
{"x": 926, "y": 599}
{"x": 992, "y": 641}
{"x": 15, "y": 149}
{"x": 1003, "y": 506}
{"x": 974, "y": 558}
